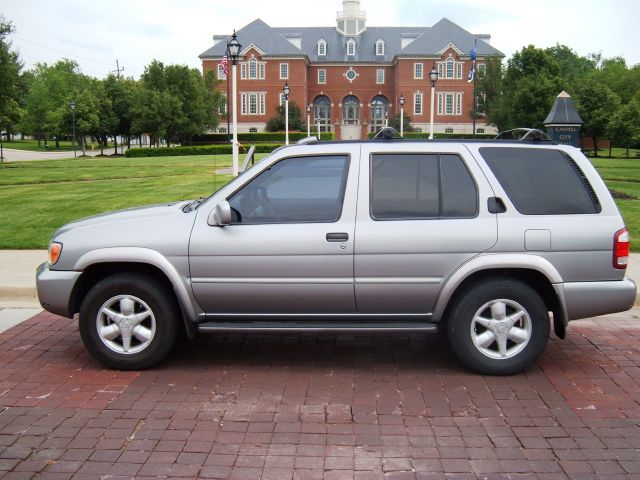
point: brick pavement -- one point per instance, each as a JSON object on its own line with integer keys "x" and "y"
{"x": 320, "y": 406}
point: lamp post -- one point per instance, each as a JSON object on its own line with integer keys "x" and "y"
{"x": 402, "y": 116}
{"x": 72, "y": 106}
{"x": 318, "y": 120}
{"x": 433, "y": 76}
{"x": 286, "y": 91}
{"x": 386, "y": 119}
{"x": 308, "y": 120}
{"x": 234, "y": 50}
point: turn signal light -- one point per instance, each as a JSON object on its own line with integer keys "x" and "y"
{"x": 55, "y": 249}
{"x": 621, "y": 249}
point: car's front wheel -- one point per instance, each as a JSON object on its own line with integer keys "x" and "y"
{"x": 498, "y": 327}
{"x": 129, "y": 321}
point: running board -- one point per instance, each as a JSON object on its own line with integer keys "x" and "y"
{"x": 316, "y": 327}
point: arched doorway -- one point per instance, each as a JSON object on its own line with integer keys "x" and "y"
{"x": 379, "y": 109}
{"x": 351, "y": 110}
{"x": 322, "y": 109}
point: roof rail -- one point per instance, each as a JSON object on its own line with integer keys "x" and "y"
{"x": 307, "y": 140}
{"x": 386, "y": 133}
{"x": 524, "y": 135}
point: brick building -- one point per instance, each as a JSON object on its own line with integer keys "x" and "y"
{"x": 353, "y": 75}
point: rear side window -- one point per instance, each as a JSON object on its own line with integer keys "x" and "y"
{"x": 408, "y": 186}
{"x": 542, "y": 181}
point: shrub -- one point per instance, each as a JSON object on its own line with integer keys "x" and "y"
{"x": 195, "y": 150}
{"x": 213, "y": 138}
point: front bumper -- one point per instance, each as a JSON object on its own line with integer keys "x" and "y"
{"x": 590, "y": 299}
{"x": 54, "y": 289}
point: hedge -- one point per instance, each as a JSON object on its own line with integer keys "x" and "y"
{"x": 196, "y": 150}
{"x": 444, "y": 136}
{"x": 272, "y": 137}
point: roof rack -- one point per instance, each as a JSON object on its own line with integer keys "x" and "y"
{"x": 386, "y": 133}
{"x": 307, "y": 140}
{"x": 524, "y": 135}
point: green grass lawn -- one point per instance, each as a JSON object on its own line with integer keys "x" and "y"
{"x": 32, "y": 145}
{"x": 38, "y": 197}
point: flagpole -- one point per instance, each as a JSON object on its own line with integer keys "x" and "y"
{"x": 474, "y": 88}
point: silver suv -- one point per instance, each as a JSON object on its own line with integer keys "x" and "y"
{"x": 482, "y": 240}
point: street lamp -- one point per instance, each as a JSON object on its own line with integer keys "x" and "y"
{"x": 318, "y": 120}
{"x": 286, "y": 91}
{"x": 402, "y": 115}
{"x": 386, "y": 119}
{"x": 72, "y": 106}
{"x": 308, "y": 120}
{"x": 234, "y": 50}
{"x": 433, "y": 76}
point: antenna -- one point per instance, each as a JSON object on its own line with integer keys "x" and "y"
{"x": 118, "y": 69}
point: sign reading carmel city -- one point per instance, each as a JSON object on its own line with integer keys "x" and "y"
{"x": 563, "y": 122}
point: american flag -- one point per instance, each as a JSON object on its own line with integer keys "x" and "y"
{"x": 225, "y": 64}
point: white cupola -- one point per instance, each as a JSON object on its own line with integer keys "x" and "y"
{"x": 351, "y": 20}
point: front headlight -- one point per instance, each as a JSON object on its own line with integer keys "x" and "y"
{"x": 55, "y": 249}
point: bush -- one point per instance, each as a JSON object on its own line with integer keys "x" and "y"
{"x": 195, "y": 150}
{"x": 444, "y": 136}
{"x": 213, "y": 138}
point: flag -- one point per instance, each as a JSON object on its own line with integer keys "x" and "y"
{"x": 474, "y": 55}
{"x": 225, "y": 65}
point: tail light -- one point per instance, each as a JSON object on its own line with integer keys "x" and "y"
{"x": 621, "y": 249}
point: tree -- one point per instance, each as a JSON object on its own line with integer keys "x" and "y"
{"x": 530, "y": 84}
{"x": 573, "y": 69}
{"x": 10, "y": 81}
{"x": 277, "y": 124}
{"x": 120, "y": 92}
{"x": 596, "y": 104}
{"x": 489, "y": 89}
{"x": 624, "y": 126}
{"x": 394, "y": 122}
{"x": 152, "y": 113}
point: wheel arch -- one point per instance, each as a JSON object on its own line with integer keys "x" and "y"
{"x": 99, "y": 264}
{"x": 534, "y": 271}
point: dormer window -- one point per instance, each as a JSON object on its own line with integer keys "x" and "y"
{"x": 351, "y": 47}
{"x": 322, "y": 48}
{"x": 380, "y": 47}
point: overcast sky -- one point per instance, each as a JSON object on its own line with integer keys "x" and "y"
{"x": 95, "y": 34}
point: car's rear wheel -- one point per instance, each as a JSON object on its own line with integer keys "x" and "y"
{"x": 498, "y": 326}
{"x": 129, "y": 321}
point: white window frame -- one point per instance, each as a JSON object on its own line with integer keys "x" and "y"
{"x": 322, "y": 48}
{"x": 380, "y": 47}
{"x": 284, "y": 71}
{"x": 258, "y": 68}
{"x": 351, "y": 47}
{"x": 482, "y": 69}
{"x": 418, "y": 71}
{"x": 440, "y": 70}
{"x": 223, "y": 109}
{"x": 380, "y": 76}
{"x": 458, "y": 70}
{"x": 250, "y": 99}
{"x": 450, "y": 68}
{"x": 418, "y": 103}
{"x": 221, "y": 75}
{"x": 452, "y": 100}
{"x": 322, "y": 76}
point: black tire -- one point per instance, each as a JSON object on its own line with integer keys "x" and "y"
{"x": 143, "y": 294}
{"x": 480, "y": 298}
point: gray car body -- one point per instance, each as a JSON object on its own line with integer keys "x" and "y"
{"x": 385, "y": 270}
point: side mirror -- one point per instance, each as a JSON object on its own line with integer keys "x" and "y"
{"x": 221, "y": 215}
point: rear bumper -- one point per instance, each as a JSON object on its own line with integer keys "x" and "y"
{"x": 54, "y": 289}
{"x": 590, "y": 299}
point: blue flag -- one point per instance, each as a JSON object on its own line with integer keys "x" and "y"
{"x": 474, "y": 55}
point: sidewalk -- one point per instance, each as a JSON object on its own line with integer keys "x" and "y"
{"x": 18, "y": 296}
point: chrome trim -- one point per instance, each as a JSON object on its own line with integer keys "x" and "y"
{"x": 273, "y": 280}
{"x": 399, "y": 280}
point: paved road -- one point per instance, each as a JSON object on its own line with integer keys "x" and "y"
{"x": 320, "y": 407}
{"x": 11, "y": 155}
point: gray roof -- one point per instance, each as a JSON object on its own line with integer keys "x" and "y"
{"x": 563, "y": 112}
{"x": 428, "y": 42}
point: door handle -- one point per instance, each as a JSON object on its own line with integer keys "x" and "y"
{"x": 337, "y": 237}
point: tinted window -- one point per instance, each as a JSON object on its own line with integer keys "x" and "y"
{"x": 541, "y": 181}
{"x": 305, "y": 189}
{"x": 405, "y": 186}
